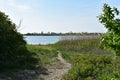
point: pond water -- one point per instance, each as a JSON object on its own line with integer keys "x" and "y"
{"x": 42, "y": 39}
{"x": 52, "y": 39}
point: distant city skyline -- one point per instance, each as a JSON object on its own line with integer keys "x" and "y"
{"x": 56, "y": 15}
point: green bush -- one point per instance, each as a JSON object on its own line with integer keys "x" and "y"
{"x": 13, "y": 51}
{"x": 92, "y": 67}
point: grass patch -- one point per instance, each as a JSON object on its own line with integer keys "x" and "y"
{"x": 45, "y": 53}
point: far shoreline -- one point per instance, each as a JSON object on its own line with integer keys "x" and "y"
{"x": 63, "y": 34}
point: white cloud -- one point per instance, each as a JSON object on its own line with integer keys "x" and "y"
{"x": 20, "y": 7}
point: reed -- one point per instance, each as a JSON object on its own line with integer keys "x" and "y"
{"x": 81, "y": 45}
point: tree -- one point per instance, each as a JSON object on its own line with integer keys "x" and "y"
{"x": 13, "y": 49}
{"x": 111, "y": 40}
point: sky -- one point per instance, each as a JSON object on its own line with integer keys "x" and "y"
{"x": 56, "y": 15}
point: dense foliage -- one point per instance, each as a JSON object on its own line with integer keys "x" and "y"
{"x": 111, "y": 40}
{"x": 92, "y": 67}
{"x": 13, "y": 51}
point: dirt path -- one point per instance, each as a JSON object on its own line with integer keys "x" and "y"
{"x": 57, "y": 70}
{"x": 53, "y": 71}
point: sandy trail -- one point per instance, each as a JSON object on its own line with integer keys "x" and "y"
{"x": 57, "y": 70}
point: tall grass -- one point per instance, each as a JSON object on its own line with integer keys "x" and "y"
{"x": 82, "y": 45}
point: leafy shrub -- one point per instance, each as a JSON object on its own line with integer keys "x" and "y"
{"x": 13, "y": 51}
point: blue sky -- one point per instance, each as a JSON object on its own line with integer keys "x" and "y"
{"x": 56, "y": 15}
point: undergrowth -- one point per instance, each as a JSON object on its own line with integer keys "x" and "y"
{"x": 89, "y": 61}
{"x": 92, "y": 67}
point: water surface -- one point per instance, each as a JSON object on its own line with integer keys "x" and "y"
{"x": 42, "y": 39}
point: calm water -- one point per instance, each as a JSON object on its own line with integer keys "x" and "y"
{"x": 42, "y": 39}
{"x": 52, "y": 39}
